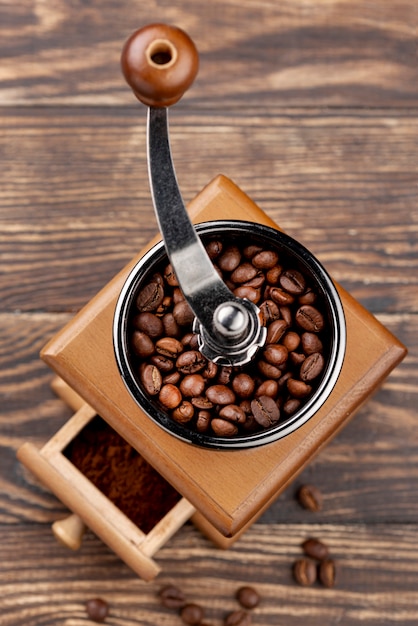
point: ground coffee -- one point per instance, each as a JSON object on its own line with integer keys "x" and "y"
{"x": 121, "y": 474}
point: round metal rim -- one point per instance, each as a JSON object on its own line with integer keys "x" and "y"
{"x": 282, "y": 429}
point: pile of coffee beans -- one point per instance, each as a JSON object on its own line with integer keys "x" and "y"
{"x": 172, "y": 597}
{"x": 315, "y": 565}
{"x": 224, "y": 401}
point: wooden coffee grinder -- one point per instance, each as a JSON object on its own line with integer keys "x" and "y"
{"x": 223, "y": 490}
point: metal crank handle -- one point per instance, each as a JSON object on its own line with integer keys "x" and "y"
{"x": 160, "y": 62}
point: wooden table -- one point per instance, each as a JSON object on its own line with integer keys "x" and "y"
{"x": 312, "y": 108}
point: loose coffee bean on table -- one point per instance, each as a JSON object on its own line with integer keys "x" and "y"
{"x": 327, "y": 573}
{"x": 172, "y": 597}
{"x": 192, "y": 614}
{"x": 97, "y": 609}
{"x": 248, "y": 597}
{"x": 226, "y": 401}
{"x": 238, "y": 618}
{"x": 304, "y": 571}
{"x": 315, "y": 548}
{"x": 310, "y": 498}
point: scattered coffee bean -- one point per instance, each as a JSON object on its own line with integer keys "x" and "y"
{"x": 192, "y": 614}
{"x": 327, "y": 573}
{"x": 304, "y": 571}
{"x": 285, "y": 372}
{"x": 310, "y": 498}
{"x": 248, "y": 597}
{"x": 315, "y": 549}
{"x": 172, "y": 597}
{"x": 238, "y": 618}
{"x": 97, "y": 609}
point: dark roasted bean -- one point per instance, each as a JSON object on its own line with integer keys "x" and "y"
{"x": 169, "y": 276}
{"x": 223, "y": 428}
{"x": 309, "y": 318}
{"x": 230, "y": 258}
{"x": 298, "y": 389}
{"x": 311, "y": 343}
{"x": 293, "y": 282}
{"x": 248, "y": 597}
{"x": 150, "y": 297}
{"x": 232, "y": 413}
{"x": 192, "y": 614}
{"x": 220, "y": 394}
{"x": 97, "y": 609}
{"x": 170, "y": 396}
{"x": 151, "y": 379}
{"x": 312, "y": 366}
{"x": 316, "y": 549}
{"x": 192, "y": 385}
{"x": 184, "y": 412}
{"x": 310, "y": 498}
{"x": 276, "y": 331}
{"x": 182, "y": 313}
{"x": 243, "y": 385}
{"x": 265, "y": 411}
{"x": 304, "y": 571}
{"x": 243, "y": 273}
{"x": 291, "y": 341}
{"x": 172, "y": 597}
{"x": 327, "y": 573}
{"x": 148, "y": 323}
{"x": 265, "y": 260}
{"x": 169, "y": 346}
{"x": 142, "y": 344}
{"x": 276, "y": 354}
{"x": 238, "y": 618}
{"x": 190, "y": 362}
{"x": 280, "y": 296}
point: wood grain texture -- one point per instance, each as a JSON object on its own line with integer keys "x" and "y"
{"x": 377, "y": 570}
{"x": 300, "y": 52}
{"x": 76, "y": 204}
{"x": 311, "y": 107}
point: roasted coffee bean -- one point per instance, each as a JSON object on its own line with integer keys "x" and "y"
{"x": 142, "y": 344}
{"x": 151, "y": 379}
{"x": 223, "y": 428}
{"x": 273, "y": 274}
{"x": 97, "y": 609}
{"x": 296, "y": 358}
{"x": 248, "y": 597}
{"x": 276, "y": 354}
{"x": 291, "y": 406}
{"x": 269, "y": 370}
{"x": 304, "y": 571}
{"x": 293, "y": 282}
{"x": 172, "y": 597}
{"x": 327, "y": 573}
{"x": 243, "y": 273}
{"x": 251, "y": 250}
{"x": 148, "y": 323}
{"x": 298, "y": 388}
{"x": 210, "y": 371}
{"x": 267, "y": 388}
{"x": 170, "y": 326}
{"x": 312, "y": 366}
{"x": 150, "y": 297}
{"x": 169, "y": 276}
{"x": 265, "y": 411}
{"x": 269, "y": 311}
{"x": 184, "y": 412}
{"x": 191, "y": 362}
{"x": 316, "y": 549}
{"x": 280, "y": 296}
{"x": 203, "y": 421}
{"x": 276, "y": 331}
{"x": 309, "y": 297}
{"x": 310, "y": 498}
{"x": 169, "y": 346}
{"x": 220, "y": 394}
{"x": 214, "y": 248}
{"x": 309, "y": 318}
{"x": 172, "y": 378}
{"x": 201, "y": 402}
{"x": 192, "y": 385}
{"x": 238, "y": 618}
{"x": 192, "y": 614}
{"x": 243, "y": 385}
{"x": 182, "y": 313}
{"x": 257, "y": 282}
{"x": 311, "y": 343}
{"x": 178, "y": 295}
{"x": 170, "y": 396}
{"x": 265, "y": 260}
{"x": 163, "y": 363}
{"x": 249, "y": 293}
{"x": 232, "y": 413}
{"x": 291, "y": 341}
{"x": 230, "y": 258}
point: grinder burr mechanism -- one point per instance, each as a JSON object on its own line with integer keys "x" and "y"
{"x": 159, "y": 63}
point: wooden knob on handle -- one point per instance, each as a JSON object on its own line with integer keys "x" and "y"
{"x": 69, "y": 531}
{"x": 159, "y": 62}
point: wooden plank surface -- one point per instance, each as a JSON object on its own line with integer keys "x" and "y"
{"x": 312, "y": 108}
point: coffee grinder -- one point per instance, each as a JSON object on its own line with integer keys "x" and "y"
{"x": 224, "y": 483}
